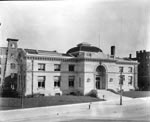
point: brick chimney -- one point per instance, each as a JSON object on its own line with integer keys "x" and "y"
{"x": 112, "y": 50}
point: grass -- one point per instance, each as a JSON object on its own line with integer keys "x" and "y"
{"x": 15, "y": 103}
{"x": 136, "y": 94}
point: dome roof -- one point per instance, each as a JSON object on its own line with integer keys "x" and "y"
{"x": 84, "y": 47}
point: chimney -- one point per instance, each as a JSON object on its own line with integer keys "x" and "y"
{"x": 130, "y": 56}
{"x": 112, "y": 50}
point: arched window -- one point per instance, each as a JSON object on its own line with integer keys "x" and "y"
{"x": 12, "y": 65}
{"x": 13, "y": 46}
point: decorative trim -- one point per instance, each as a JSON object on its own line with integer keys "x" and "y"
{"x": 127, "y": 62}
{"x": 79, "y": 59}
{"x": 50, "y": 58}
{"x": 52, "y": 72}
{"x": 95, "y": 60}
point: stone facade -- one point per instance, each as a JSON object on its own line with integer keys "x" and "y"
{"x": 82, "y": 68}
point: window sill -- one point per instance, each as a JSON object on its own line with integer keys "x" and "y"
{"x": 41, "y": 88}
{"x": 56, "y": 87}
{"x": 40, "y": 70}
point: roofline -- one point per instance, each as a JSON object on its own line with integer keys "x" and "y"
{"x": 10, "y": 39}
{"x": 80, "y": 59}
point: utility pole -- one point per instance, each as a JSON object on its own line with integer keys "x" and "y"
{"x": 120, "y": 94}
{"x": 121, "y": 76}
{"x": 22, "y": 85}
{"x": 32, "y": 76}
{"x": 121, "y": 83}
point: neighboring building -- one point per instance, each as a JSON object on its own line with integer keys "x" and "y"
{"x": 9, "y": 65}
{"x": 2, "y": 63}
{"x": 82, "y": 68}
{"x": 143, "y": 58}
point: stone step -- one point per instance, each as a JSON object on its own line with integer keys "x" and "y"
{"x": 108, "y": 95}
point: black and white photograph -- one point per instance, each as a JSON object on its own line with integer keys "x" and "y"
{"x": 75, "y": 61}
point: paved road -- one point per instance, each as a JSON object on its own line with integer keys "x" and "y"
{"x": 136, "y": 110}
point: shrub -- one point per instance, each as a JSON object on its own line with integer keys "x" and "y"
{"x": 111, "y": 90}
{"x": 28, "y": 96}
{"x": 38, "y": 95}
{"x": 34, "y": 95}
{"x": 76, "y": 93}
{"x": 93, "y": 93}
{"x": 9, "y": 93}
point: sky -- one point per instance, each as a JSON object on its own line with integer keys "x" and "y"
{"x": 62, "y": 24}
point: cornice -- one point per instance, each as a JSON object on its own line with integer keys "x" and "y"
{"x": 78, "y": 59}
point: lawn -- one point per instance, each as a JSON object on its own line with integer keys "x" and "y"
{"x": 136, "y": 94}
{"x": 15, "y": 103}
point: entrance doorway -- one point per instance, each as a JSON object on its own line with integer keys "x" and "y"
{"x": 100, "y": 78}
{"x": 98, "y": 83}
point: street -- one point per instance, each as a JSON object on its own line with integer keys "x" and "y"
{"x": 135, "y": 110}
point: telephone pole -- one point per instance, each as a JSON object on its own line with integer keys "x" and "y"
{"x": 121, "y": 83}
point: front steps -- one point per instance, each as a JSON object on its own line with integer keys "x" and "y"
{"x": 108, "y": 95}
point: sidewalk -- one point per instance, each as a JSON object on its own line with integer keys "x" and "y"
{"x": 133, "y": 109}
{"x": 107, "y": 95}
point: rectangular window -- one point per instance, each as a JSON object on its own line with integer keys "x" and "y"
{"x": 121, "y": 79}
{"x": 111, "y": 80}
{"x": 57, "y": 67}
{"x": 79, "y": 82}
{"x": 130, "y": 69}
{"x": 0, "y": 70}
{"x": 41, "y": 81}
{"x": 71, "y": 67}
{"x": 120, "y": 69}
{"x": 57, "y": 80}
{"x": 71, "y": 81}
{"x": 130, "y": 80}
{"x": 12, "y": 65}
{"x": 0, "y": 81}
{"x": 41, "y": 67}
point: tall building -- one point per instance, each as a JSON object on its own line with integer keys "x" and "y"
{"x": 143, "y": 58}
{"x": 9, "y": 65}
{"x": 2, "y": 63}
{"x": 82, "y": 68}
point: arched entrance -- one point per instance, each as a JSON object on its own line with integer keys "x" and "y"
{"x": 100, "y": 78}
